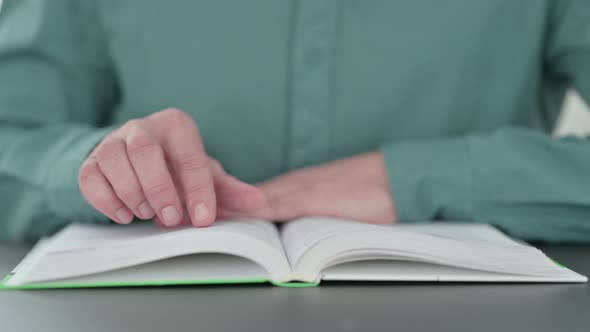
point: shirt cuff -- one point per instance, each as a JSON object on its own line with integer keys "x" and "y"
{"x": 430, "y": 180}
{"x": 63, "y": 192}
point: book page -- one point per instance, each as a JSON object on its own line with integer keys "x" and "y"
{"x": 77, "y": 236}
{"x": 312, "y": 244}
{"x": 89, "y": 249}
{"x": 301, "y": 234}
{"x": 469, "y": 232}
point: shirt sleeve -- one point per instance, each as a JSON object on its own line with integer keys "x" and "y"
{"x": 529, "y": 184}
{"x": 55, "y": 85}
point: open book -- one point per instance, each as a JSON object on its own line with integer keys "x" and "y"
{"x": 302, "y": 252}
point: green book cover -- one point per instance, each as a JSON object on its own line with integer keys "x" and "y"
{"x": 65, "y": 285}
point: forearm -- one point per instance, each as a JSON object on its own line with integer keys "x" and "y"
{"x": 38, "y": 179}
{"x": 529, "y": 184}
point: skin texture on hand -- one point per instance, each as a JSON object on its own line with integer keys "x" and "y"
{"x": 355, "y": 188}
{"x": 156, "y": 167}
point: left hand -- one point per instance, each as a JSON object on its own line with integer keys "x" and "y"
{"x": 355, "y": 188}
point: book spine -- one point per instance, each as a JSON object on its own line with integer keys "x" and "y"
{"x": 295, "y": 284}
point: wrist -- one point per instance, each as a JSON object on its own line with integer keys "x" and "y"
{"x": 373, "y": 166}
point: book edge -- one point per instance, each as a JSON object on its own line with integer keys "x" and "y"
{"x": 70, "y": 285}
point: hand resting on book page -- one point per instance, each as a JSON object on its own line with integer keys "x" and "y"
{"x": 156, "y": 167}
{"x": 354, "y": 188}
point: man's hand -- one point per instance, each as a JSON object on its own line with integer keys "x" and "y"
{"x": 156, "y": 167}
{"x": 356, "y": 188}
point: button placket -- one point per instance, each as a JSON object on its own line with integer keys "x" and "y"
{"x": 311, "y": 94}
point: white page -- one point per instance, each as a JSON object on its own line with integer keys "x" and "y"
{"x": 481, "y": 233}
{"x": 401, "y": 270}
{"x": 77, "y": 236}
{"x": 315, "y": 242}
{"x": 194, "y": 268}
{"x": 88, "y": 249}
{"x": 301, "y": 234}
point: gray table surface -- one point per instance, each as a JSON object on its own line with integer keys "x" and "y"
{"x": 331, "y": 307}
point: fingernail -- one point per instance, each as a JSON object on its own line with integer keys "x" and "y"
{"x": 146, "y": 210}
{"x": 201, "y": 213}
{"x": 170, "y": 216}
{"x": 124, "y": 216}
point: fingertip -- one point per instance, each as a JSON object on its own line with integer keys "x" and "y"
{"x": 170, "y": 216}
{"x": 184, "y": 222}
{"x": 145, "y": 211}
{"x": 158, "y": 222}
{"x": 202, "y": 215}
{"x": 123, "y": 216}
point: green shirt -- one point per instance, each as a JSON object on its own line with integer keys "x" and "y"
{"x": 460, "y": 96}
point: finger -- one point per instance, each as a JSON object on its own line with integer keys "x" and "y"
{"x": 276, "y": 209}
{"x": 233, "y": 194}
{"x": 265, "y": 213}
{"x": 147, "y": 158}
{"x": 116, "y": 167}
{"x": 99, "y": 193}
{"x": 223, "y": 214}
{"x": 216, "y": 167}
{"x": 185, "y": 150}
{"x": 185, "y": 221}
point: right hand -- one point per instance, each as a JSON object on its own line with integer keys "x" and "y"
{"x": 156, "y": 167}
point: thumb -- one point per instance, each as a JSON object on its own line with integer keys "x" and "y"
{"x": 233, "y": 194}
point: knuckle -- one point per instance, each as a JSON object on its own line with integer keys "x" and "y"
{"x": 104, "y": 201}
{"x": 130, "y": 195}
{"x": 140, "y": 143}
{"x": 110, "y": 148}
{"x": 198, "y": 193}
{"x": 190, "y": 161}
{"x": 87, "y": 171}
{"x": 160, "y": 189}
{"x": 176, "y": 116}
{"x": 172, "y": 120}
{"x": 130, "y": 126}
